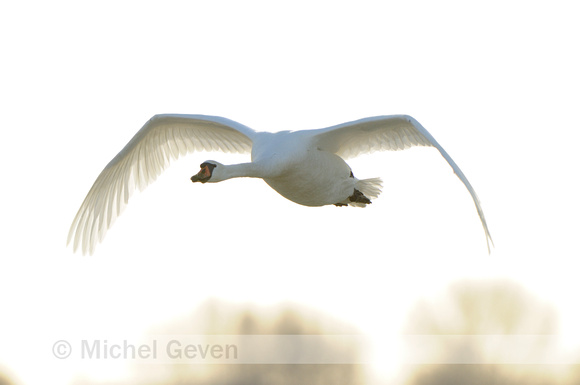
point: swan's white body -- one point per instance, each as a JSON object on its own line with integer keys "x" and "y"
{"x": 306, "y": 167}
{"x": 293, "y": 165}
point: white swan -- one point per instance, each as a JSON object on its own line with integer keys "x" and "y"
{"x": 306, "y": 167}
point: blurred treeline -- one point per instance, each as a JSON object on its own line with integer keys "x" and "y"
{"x": 466, "y": 308}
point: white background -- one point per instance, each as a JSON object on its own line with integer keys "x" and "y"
{"x": 496, "y": 83}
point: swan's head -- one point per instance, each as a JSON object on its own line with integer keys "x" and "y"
{"x": 210, "y": 172}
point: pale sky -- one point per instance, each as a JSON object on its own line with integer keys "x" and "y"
{"x": 496, "y": 83}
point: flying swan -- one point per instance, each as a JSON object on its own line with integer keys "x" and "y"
{"x": 306, "y": 167}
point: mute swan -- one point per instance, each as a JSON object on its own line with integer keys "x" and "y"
{"x": 306, "y": 167}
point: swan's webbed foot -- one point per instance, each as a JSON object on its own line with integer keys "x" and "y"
{"x": 359, "y": 197}
{"x": 356, "y": 197}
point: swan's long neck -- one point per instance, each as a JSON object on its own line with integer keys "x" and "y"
{"x": 248, "y": 170}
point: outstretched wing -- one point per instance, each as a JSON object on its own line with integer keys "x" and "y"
{"x": 382, "y": 133}
{"x": 162, "y": 139}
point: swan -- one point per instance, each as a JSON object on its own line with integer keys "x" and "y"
{"x": 307, "y": 167}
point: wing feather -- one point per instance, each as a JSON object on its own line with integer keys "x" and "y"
{"x": 383, "y": 133}
{"x": 162, "y": 139}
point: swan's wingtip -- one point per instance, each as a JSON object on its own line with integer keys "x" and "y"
{"x": 490, "y": 244}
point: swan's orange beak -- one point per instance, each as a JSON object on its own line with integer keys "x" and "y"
{"x": 203, "y": 175}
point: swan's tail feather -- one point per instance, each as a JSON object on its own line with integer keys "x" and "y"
{"x": 370, "y": 188}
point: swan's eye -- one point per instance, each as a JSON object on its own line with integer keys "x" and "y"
{"x": 204, "y": 174}
{"x": 208, "y": 165}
